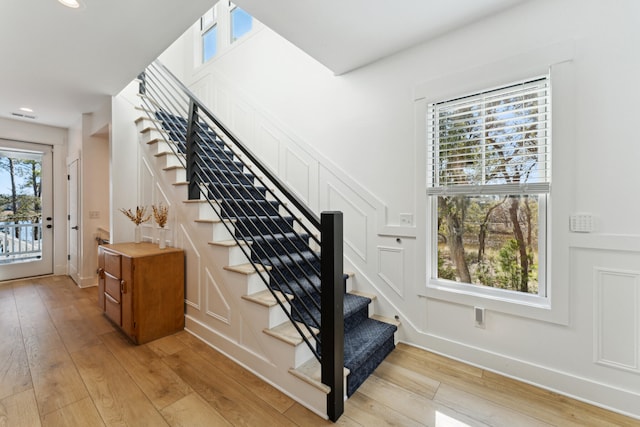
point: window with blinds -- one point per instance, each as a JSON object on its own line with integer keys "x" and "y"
{"x": 489, "y": 176}
{"x": 492, "y": 142}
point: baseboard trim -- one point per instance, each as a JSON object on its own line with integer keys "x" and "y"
{"x": 586, "y": 390}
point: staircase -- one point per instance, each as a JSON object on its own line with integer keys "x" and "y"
{"x": 263, "y": 233}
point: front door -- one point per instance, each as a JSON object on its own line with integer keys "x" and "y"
{"x": 26, "y": 210}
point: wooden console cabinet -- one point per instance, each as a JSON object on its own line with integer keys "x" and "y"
{"x": 141, "y": 289}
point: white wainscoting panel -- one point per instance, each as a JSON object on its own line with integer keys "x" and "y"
{"x": 241, "y": 120}
{"x": 297, "y": 173}
{"x": 391, "y": 268}
{"x": 267, "y": 146}
{"x": 202, "y": 89}
{"x": 221, "y": 103}
{"x": 217, "y": 306}
{"x": 355, "y": 220}
{"x": 617, "y": 318}
{"x": 193, "y": 262}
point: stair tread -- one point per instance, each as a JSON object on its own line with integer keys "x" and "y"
{"x": 169, "y": 168}
{"x": 213, "y": 221}
{"x": 229, "y": 243}
{"x": 389, "y": 320}
{"x": 287, "y": 333}
{"x": 372, "y": 297}
{"x": 247, "y": 268}
{"x": 311, "y": 373}
{"x": 267, "y": 299}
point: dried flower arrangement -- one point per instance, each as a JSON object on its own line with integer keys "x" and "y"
{"x": 139, "y": 217}
{"x": 160, "y": 214}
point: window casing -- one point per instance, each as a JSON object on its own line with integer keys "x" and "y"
{"x": 489, "y": 180}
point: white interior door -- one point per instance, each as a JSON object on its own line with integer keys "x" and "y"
{"x": 73, "y": 170}
{"x": 26, "y": 220}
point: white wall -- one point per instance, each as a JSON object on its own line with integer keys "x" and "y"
{"x": 123, "y": 167}
{"x": 57, "y": 137}
{"x": 355, "y": 142}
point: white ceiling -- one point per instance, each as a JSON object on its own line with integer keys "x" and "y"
{"x": 63, "y": 62}
{"x": 347, "y": 34}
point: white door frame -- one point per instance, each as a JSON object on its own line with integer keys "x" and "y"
{"x": 74, "y": 219}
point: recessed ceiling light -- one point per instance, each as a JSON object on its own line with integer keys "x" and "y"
{"x": 70, "y": 3}
{"x": 26, "y": 109}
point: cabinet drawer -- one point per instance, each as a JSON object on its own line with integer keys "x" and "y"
{"x": 112, "y": 264}
{"x": 112, "y": 287}
{"x": 113, "y": 309}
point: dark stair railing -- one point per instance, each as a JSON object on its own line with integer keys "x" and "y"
{"x": 277, "y": 232}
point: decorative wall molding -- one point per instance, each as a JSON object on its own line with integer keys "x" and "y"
{"x": 617, "y": 318}
{"x": 216, "y": 304}
{"x": 193, "y": 266}
{"x": 355, "y": 220}
{"x": 391, "y": 268}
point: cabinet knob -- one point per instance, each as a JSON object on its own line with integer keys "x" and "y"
{"x": 123, "y": 286}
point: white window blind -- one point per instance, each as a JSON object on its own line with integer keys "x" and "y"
{"x": 495, "y": 142}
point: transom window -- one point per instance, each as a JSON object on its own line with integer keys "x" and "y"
{"x": 489, "y": 178}
{"x": 221, "y": 26}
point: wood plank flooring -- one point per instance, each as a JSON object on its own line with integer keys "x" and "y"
{"x": 63, "y": 364}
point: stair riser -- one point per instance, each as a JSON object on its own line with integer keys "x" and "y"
{"x": 359, "y": 375}
{"x": 217, "y": 231}
{"x": 151, "y": 134}
{"x": 168, "y": 160}
{"x": 230, "y": 256}
{"x": 176, "y": 175}
{"x": 265, "y": 317}
{"x": 293, "y": 356}
{"x": 161, "y": 146}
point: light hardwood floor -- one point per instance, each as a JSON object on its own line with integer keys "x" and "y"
{"x": 63, "y": 364}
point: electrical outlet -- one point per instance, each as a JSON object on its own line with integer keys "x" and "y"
{"x": 406, "y": 219}
{"x": 94, "y": 214}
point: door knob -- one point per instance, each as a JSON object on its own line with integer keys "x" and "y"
{"x": 75, "y": 227}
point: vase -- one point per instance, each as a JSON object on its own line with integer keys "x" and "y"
{"x": 162, "y": 241}
{"x": 137, "y": 234}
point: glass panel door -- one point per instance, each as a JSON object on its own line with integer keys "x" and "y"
{"x": 26, "y": 223}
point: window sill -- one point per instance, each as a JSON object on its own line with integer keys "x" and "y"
{"x": 499, "y": 300}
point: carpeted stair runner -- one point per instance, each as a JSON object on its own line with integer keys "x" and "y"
{"x": 294, "y": 266}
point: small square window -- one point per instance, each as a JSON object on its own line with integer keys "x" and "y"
{"x": 209, "y": 43}
{"x": 241, "y": 23}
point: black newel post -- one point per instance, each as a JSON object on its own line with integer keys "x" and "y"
{"x": 332, "y": 313}
{"x": 191, "y": 147}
